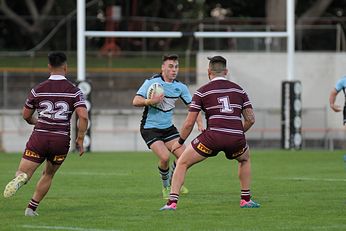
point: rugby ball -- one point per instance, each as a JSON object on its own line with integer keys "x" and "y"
{"x": 154, "y": 89}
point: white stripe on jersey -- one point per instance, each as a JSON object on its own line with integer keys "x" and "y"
{"x": 227, "y": 130}
{"x": 29, "y": 105}
{"x": 220, "y": 106}
{"x": 79, "y": 103}
{"x": 236, "y": 106}
{"x": 219, "y": 91}
{"x": 56, "y": 132}
{"x": 193, "y": 105}
{"x": 69, "y": 95}
{"x": 225, "y": 117}
{"x": 247, "y": 103}
{"x": 51, "y": 123}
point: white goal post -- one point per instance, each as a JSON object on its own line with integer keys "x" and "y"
{"x": 82, "y": 33}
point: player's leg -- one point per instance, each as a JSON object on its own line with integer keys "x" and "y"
{"x": 185, "y": 161}
{"x": 42, "y": 187}
{"x": 33, "y": 156}
{"x": 23, "y": 174}
{"x": 161, "y": 151}
{"x": 177, "y": 153}
{"x": 244, "y": 173}
{"x": 54, "y": 144}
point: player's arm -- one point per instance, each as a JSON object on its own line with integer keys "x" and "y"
{"x": 140, "y": 101}
{"x": 82, "y": 126}
{"x": 332, "y": 98}
{"x": 188, "y": 124}
{"x": 199, "y": 122}
{"x": 186, "y": 129}
{"x": 28, "y": 116}
{"x": 249, "y": 118}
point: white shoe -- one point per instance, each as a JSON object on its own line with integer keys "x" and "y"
{"x": 30, "y": 213}
{"x": 15, "y": 184}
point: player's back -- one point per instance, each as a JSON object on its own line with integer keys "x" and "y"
{"x": 223, "y": 102}
{"x": 55, "y": 100}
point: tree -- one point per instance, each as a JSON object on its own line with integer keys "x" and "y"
{"x": 309, "y": 17}
{"x": 308, "y": 13}
{"x": 37, "y": 15}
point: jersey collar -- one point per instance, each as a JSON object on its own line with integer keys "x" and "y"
{"x": 219, "y": 78}
{"x": 57, "y": 77}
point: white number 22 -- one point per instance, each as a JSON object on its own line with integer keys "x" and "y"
{"x": 57, "y": 110}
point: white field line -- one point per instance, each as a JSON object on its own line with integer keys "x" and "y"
{"x": 64, "y": 228}
{"x": 323, "y": 227}
{"x": 310, "y": 179}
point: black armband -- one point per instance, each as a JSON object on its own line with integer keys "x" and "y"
{"x": 181, "y": 140}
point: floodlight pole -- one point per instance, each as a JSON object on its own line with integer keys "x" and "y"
{"x": 80, "y": 40}
{"x": 290, "y": 38}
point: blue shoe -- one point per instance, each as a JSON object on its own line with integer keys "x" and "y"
{"x": 249, "y": 204}
{"x": 172, "y": 206}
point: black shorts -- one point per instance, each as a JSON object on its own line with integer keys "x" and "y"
{"x": 150, "y": 135}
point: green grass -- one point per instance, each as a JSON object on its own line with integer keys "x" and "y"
{"x": 302, "y": 190}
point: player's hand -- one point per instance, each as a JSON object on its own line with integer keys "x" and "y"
{"x": 80, "y": 146}
{"x": 157, "y": 99}
{"x": 176, "y": 146}
{"x": 335, "y": 107}
{"x": 201, "y": 128}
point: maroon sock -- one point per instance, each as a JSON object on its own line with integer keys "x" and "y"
{"x": 173, "y": 198}
{"x": 245, "y": 195}
{"x": 33, "y": 204}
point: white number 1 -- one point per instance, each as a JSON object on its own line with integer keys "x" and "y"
{"x": 225, "y": 104}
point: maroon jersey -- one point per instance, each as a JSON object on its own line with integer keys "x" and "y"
{"x": 223, "y": 102}
{"x": 55, "y": 101}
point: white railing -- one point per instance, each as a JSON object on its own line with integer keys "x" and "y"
{"x": 118, "y": 130}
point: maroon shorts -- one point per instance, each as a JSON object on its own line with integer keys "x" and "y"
{"x": 42, "y": 146}
{"x": 210, "y": 143}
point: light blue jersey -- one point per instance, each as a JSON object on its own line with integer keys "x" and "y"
{"x": 161, "y": 115}
{"x": 341, "y": 84}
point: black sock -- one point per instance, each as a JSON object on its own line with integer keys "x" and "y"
{"x": 165, "y": 177}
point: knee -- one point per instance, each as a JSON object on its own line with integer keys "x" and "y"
{"x": 164, "y": 160}
{"x": 181, "y": 162}
{"x": 48, "y": 174}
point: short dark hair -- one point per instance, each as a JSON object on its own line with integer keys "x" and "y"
{"x": 217, "y": 64}
{"x": 170, "y": 57}
{"x": 217, "y": 59}
{"x": 57, "y": 58}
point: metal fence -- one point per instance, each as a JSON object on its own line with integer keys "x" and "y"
{"x": 118, "y": 130}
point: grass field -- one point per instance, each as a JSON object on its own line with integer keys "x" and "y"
{"x": 298, "y": 190}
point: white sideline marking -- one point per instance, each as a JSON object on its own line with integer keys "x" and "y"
{"x": 64, "y": 228}
{"x": 312, "y": 179}
{"x": 96, "y": 173}
{"x": 324, "y": 227}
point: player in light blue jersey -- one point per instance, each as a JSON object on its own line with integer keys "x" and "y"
{"x": 157, "y": 128}
{"x": 340, "y": 85}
